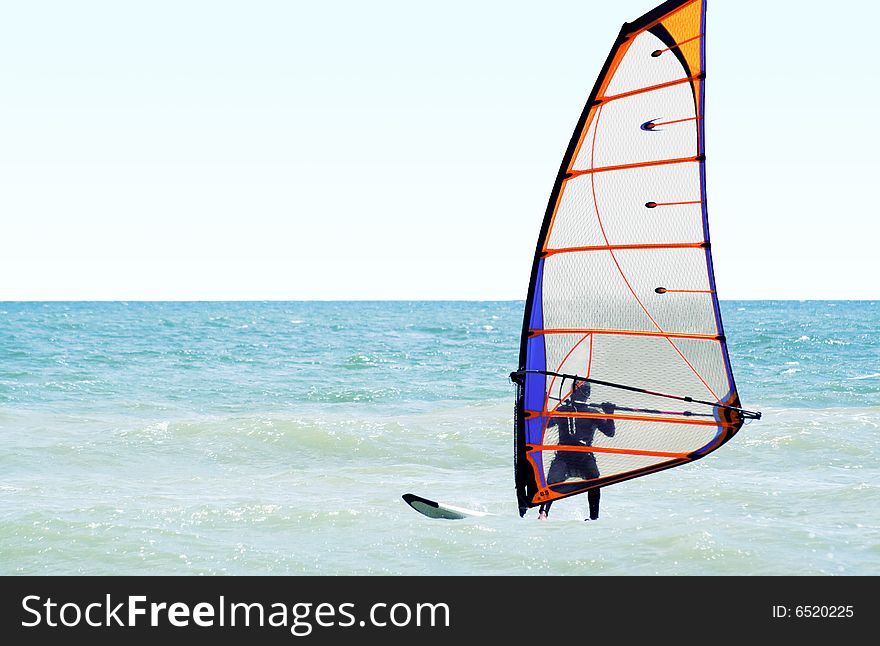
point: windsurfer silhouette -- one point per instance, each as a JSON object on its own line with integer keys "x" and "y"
{"x": 578, "y": 431}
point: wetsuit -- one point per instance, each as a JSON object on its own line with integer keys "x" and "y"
{"x": 578, "y": 431}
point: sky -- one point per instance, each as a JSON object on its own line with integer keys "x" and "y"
{"x": 232, "y": 150}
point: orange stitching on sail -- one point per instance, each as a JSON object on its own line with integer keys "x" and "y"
{"x": 657, "y": 52}
{"x": 658, "y": 162}
{"x": 590, "y": 358}
{"x": 632, "y": 418}
{"x": 605, "y": 449}
{"x": 555, "y": 210}
{"x": 661, "y": 333}
{"x": 653, "y": 205}
{"x": 649, "y": 88}
{"x": 548, "y": 494}
{"x": 615, "y": 247}
{"x": 668, "y": 123}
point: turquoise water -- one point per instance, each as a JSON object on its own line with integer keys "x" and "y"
{"x": 277, "y": 438}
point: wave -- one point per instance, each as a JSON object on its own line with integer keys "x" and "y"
{"x": 440, "y": 434}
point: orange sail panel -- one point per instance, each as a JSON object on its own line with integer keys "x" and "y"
{"x": 622, "y": 291}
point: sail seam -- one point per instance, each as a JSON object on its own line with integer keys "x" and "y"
{"x": 605, "y": 449}
{"x": 616, "y": 247}
{"x": 669, "y": 123}
{"x": 662, "y": 333}
{"x": 631, "y": 418}
{"x": 652, "y": 205}
{"x": 658, "y": 162}
{"x": 651, "y": 88}
{"x": 684, "y": 42}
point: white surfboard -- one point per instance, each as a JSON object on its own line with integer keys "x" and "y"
{"x": 433, "y": 509}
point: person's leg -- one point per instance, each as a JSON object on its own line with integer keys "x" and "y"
{"x": 593, "y": 499}
{"x": 592, "y": 472}
{"x": 557, "y": 473}
{"x": 544, "y": 510}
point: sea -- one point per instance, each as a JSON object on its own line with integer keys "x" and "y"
{"x": 276, "y": 438}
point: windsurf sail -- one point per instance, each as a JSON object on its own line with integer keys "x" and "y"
{"x": 622, "y": 291}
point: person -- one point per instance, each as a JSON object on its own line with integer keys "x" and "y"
{"x": 578, "y": 431}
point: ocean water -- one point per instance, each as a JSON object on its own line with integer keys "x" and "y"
{"x": 277, "y": 438}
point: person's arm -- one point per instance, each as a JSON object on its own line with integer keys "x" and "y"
{"x": 606, "y": 426}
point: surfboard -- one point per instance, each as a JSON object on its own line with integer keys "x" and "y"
{"x": 434, "y": 509}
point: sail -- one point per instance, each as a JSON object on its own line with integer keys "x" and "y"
{"x": 622, "y": 290}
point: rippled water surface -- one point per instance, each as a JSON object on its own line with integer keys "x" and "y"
{"x": 277, "y": 438}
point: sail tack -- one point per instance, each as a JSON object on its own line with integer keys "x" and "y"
{"x": 622, "y": 288}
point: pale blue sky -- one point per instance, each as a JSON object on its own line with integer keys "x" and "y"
{"x": 328, "y": 150}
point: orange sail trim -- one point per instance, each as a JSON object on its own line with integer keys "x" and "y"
{"x": 655, "y": 204}
{"x": 659, "y": 162}
{"x": 615, "y": 247}
{"x": 650, "y": 88}
{"x": 673, "y": 335}
{"x": 631, "y": 418}
{"x": 590, "y": 358}
{"x": 606, "y": 449}
{"x": 668, "y": 123}
{"x": 684, "y": 42}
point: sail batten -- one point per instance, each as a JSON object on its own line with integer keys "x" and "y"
{"x": 622, "y": 289}
{"x": 650, "y": 88}
{"x": 672, "y": 335}
{"x": 655, "y": 162}
{"x": 619, "y": 247}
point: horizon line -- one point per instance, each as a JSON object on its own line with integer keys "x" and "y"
{"x": 390, "y": 300}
